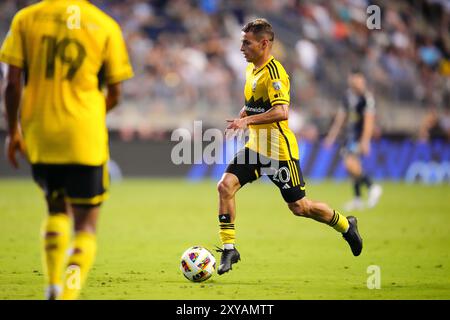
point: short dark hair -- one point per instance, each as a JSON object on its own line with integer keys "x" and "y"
{"x": 260, "y": 27}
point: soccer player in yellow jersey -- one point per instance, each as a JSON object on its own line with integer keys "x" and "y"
{"x": 59, "y": 54}
{"x": 272, "y": 148}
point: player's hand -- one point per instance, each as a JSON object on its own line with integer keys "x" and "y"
{"x": 237, "y": 124}
{"x": 242, "y": 114}
{"x": 364, "y": 147}
{"x": 14, "y": 143}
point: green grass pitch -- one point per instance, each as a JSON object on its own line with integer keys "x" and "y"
{"x": 147, "y": 224}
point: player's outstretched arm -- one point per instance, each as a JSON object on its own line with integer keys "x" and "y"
{"x": 242, "y": 113}
{"x": 335, "y": 128}
{"x": 369, "y": 123}
{"x": 13, "y": 91}
{"x": 274, "y": 114}
{"x": 113, "y": 96}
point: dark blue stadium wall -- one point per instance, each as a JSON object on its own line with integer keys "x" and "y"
{"x": 398, "y": 160}
{"x": 388, "y": 160}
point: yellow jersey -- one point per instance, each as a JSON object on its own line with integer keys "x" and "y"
{"x": 67, "y": 49}
{"x": 267, "y": 87}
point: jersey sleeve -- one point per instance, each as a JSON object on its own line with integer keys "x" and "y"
{"x": 117, "y": 63}
{"x": 278, "y": 85}
{"x": 12, "y": 51}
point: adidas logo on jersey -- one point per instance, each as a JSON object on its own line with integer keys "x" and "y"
{"x": 286, "y": 186}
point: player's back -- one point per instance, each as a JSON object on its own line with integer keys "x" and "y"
{"x": 64, "y": 46}
{"x": 63, "y": 43}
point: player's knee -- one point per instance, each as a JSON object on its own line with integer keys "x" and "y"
{"x": 225, "y": 188}
{"x": 301, "y": 208}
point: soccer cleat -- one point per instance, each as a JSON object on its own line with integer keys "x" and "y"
{"x": 355, "y": 204}
{"x": 352, "y": 236}
{"x": 375, "y": 192}
{"x": 52, "y": 292}
{"x": 229, "y": 256}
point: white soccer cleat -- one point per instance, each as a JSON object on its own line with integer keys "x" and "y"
{"x": 355, "y": 204}
{"x": 375, "y": 192}
{"x": 52, "y": 292}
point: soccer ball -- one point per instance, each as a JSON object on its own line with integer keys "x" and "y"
{"x": 197, "y": 264}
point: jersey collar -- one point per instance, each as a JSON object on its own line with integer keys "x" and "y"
{"x": 255, "y": 71}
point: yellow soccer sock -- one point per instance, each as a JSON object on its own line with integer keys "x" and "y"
{"x": 227, "y": 232}
{"x": 339, "y": 222}
{"x": 79, "y": 264}
{"x": 56, "y": 237}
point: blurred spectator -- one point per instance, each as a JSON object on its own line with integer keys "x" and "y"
{"x": 429, "y": 53}
{"x": 307, "y": 55}
{"x": 435, "y": 124}
{"x": 189, "y": 67}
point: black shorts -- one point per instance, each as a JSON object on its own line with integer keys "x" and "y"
{"x": 249, "y": 165}
{"x": 77, "y": 184}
